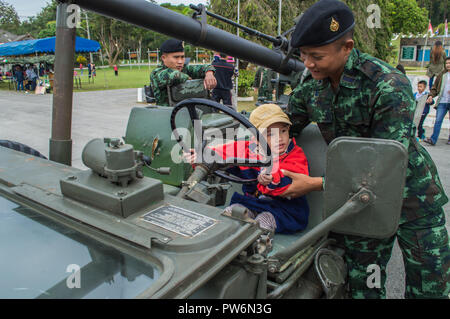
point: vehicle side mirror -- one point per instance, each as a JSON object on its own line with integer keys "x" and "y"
{"x": 376, "y": 165}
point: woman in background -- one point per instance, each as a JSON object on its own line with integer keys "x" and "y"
{"x": 437, "y": 62}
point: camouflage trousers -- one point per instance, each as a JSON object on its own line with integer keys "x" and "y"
{"x": 424, "y": 243}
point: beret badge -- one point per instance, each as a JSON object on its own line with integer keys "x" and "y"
{"x": 334, "y": 26}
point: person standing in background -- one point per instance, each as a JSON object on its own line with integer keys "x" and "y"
{"x": 224, "y": 73}
{"x": 422, "y": 93}
{"x": 437, "y": 62}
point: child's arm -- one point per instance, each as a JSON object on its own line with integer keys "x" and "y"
{"x": 223, "y": 150}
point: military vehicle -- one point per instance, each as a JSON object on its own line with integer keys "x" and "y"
{"x": 140, "y": 223}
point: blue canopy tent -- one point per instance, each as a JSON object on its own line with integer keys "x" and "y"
{"x": 46, "y": 45}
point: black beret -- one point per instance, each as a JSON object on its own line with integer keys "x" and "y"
{"x": 172, "y": 45}
{"x": 324, "y": 22}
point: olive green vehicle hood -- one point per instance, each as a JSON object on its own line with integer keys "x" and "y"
{"x": 187, "y": 247}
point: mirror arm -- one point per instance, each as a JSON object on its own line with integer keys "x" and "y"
{"x": 354, "y": 205}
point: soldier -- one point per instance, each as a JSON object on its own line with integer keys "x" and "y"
{"x": 350, "y": 93}
{"x": 174, "y": 72}
{"x": 263, "y": 83}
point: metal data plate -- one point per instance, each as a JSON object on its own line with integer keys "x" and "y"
{"x": 179, "y": 220}
{"x": 376, "y": 164}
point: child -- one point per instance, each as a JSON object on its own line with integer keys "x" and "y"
{"x": 262, "y": 200}
{"x": 417, "y": 95}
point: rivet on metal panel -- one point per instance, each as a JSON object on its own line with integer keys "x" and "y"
{"x": 365, "y": 198}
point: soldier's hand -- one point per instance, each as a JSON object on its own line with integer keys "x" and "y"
{"x": 210, "y": 81}
{"x": 301, "y": 184}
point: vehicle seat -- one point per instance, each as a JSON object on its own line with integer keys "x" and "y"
{"x": 150, "y": 125}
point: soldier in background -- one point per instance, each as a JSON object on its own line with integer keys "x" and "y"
{"x": 350, "y": 93}
{"x": 263, "y": 83}
{"x": 173, "y": 71}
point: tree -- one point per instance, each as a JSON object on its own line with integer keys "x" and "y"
{"x": 407, "y": 17}
{"x": 49, "y": 31}
{"x": 9, "y": 19}
{"x": 35, "y": 25}
{"x": 262, "y": 15}
{"x": 254, "y": 14}
{"x": 438, "y": 10}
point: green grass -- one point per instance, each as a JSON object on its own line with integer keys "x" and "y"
{"x": 106, "y": 80}
{"x": 127, "y": 78}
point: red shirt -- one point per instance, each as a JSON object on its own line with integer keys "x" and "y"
{"x": 293, "y": 159}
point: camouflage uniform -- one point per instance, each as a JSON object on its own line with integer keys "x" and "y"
{"x": 163, "y": 76}
{"x": 263, "y": 82}
{"x": 375, "y": 100}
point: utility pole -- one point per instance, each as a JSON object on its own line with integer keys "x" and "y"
{"x": 445, "y": 18}
{"x": 426, "y": 40}
{"x": 60, "y": 148}
{"x": 279, "y": 17}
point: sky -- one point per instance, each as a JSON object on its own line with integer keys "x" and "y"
{"x": 29, "y": 8}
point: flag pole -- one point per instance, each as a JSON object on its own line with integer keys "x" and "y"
{"x": 445, "y": 33}
{"x": 423, "y": 51}
{"x": 426, "y": 42}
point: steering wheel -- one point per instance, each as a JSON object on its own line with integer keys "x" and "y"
{"x": 190, "y": 104}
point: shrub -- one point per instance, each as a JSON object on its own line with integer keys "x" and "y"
{"x": 245, "y": 82}
{"x": 81, "y": 59}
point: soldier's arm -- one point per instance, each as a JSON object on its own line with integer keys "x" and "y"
{"x": 198, "y": 71}
{"x": 169, "y": 77}
{"x": 434, "y": 91}
{"x": 393, "y": 111}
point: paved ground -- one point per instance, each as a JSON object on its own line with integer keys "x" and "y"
{"x": 26, "y": 118}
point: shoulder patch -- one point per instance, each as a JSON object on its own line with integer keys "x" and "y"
{"x": 373, "y": 68}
